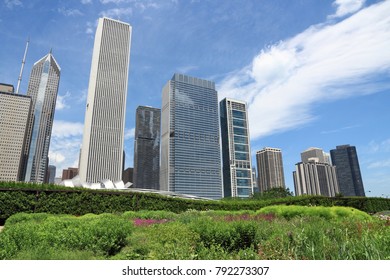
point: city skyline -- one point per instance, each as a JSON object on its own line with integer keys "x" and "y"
{"x": 318, "y": 81}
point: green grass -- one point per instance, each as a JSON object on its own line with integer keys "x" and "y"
{"x": 275, "y": 232}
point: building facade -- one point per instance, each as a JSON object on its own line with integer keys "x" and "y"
{"x": 315, "y": 153}
{"x": 190, "y": 149}
{"x": 147, "y": 148}
{"x": 103, "y": 139}
{"x": 51, "y": 174}
{"x": 314, "y": 175}
{"x": 43, "y": 89}
{"x": 270, "y": 169}
{"x": 236, "y": 150}
{"x": 127, "y": 176}
{"x": 350, "y": 180}
{"x": 69, "y": 173}
{"x": 315, "y": 178}
{"x": 14, "y": 119}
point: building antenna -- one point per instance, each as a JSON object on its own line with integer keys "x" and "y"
{"x": 21, "y": 69}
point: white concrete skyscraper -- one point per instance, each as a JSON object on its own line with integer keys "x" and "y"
{"x": 43, "y": 89}
{"x": 103, "y": 139}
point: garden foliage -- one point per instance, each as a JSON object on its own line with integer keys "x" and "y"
{"x": 275, "y": 232}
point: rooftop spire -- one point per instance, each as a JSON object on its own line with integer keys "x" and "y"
{"x": 21, "y": 69}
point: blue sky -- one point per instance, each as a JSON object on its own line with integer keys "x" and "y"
{"x": 314, "y": 73}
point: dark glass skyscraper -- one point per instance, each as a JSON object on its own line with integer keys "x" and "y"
{"x": 147, "y": 148}
{"x": 348, "y": 170}
{"x": 236, "y": 151}
{"x": 190, "y": 149}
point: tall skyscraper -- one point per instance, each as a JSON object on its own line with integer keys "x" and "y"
{"x": 190, "y": 149}
{"x": 345, "y": 159}
{"x": 315, "y": 176}
{"x": 147, "y": 148}
{"x": 14, "y": 118}
{"x": 236, "y": 150}
{"x": 103, "y": 139}
{"x": 43, "y": 89}
{"x": 270, "y": 169}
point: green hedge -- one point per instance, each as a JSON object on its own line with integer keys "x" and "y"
{"x": 32, "y": 198}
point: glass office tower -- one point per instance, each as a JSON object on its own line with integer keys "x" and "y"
{"x": 350, "y": 180}
{"x": 236, "y": 152}
{"x": 43, "y": 89}
{"x": 190, "y": 149}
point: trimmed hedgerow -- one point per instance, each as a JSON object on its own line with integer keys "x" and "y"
{"x": 33, "y": 198}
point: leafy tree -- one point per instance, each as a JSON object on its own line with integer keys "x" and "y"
{"x": 276, "y": 192}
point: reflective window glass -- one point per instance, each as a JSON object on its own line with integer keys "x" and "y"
{"x": 239, "y": 131}
{"x": 238, "y": 114}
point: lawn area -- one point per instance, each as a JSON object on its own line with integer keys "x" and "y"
{"x": 272, "y": 233}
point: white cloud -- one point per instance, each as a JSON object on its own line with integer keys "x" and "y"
{"x": 339, "y": 129}
{"x": 113, "y": 1}
{"x": 64, "y": 129}
{"x": 70, "y": 12}
{"x": 84, "y": 2}
{"x": 381, "y": 147}
{"x": 129, "y": 133}
{"x": 346, "y": 7}
{"x": 61, "y": 101}
{"x": 56, "y": 158}
{"x": 186, "y": 69}
{"x": 143, "y": 5}
{"x": 65, "y": 144}
{"x": 13, "y": 3}
{"x": 117, "y": 13}
{"x": 379, "y": 164}
{"x": 325, "y": 62}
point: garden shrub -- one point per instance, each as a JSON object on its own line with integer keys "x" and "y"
{"x": 169, "y": 241}
{"x": 148, "y": 214}
{"x": 334, "y": 212}
{"x": 103, "y": 234}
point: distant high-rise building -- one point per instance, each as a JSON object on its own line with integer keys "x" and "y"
{"x": 51, "y": 174}
{"x": 270, "y": 169}
{"x": 147, "y": 148}
{"x": 190, "y": 149}
{"x": 14, "y": 118}
{"x": 345, "y": 159}
{"x": 236, "y": 150}
{"x": 70, "y": 173}
{"x": 312, "y": 153}
{"x": 43, "y": 89}
{"x": 103, "y": 139}
{"x": 254, "y": 181}
{"x": 127, "y": 176}
{"x": 315, "y": 176}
